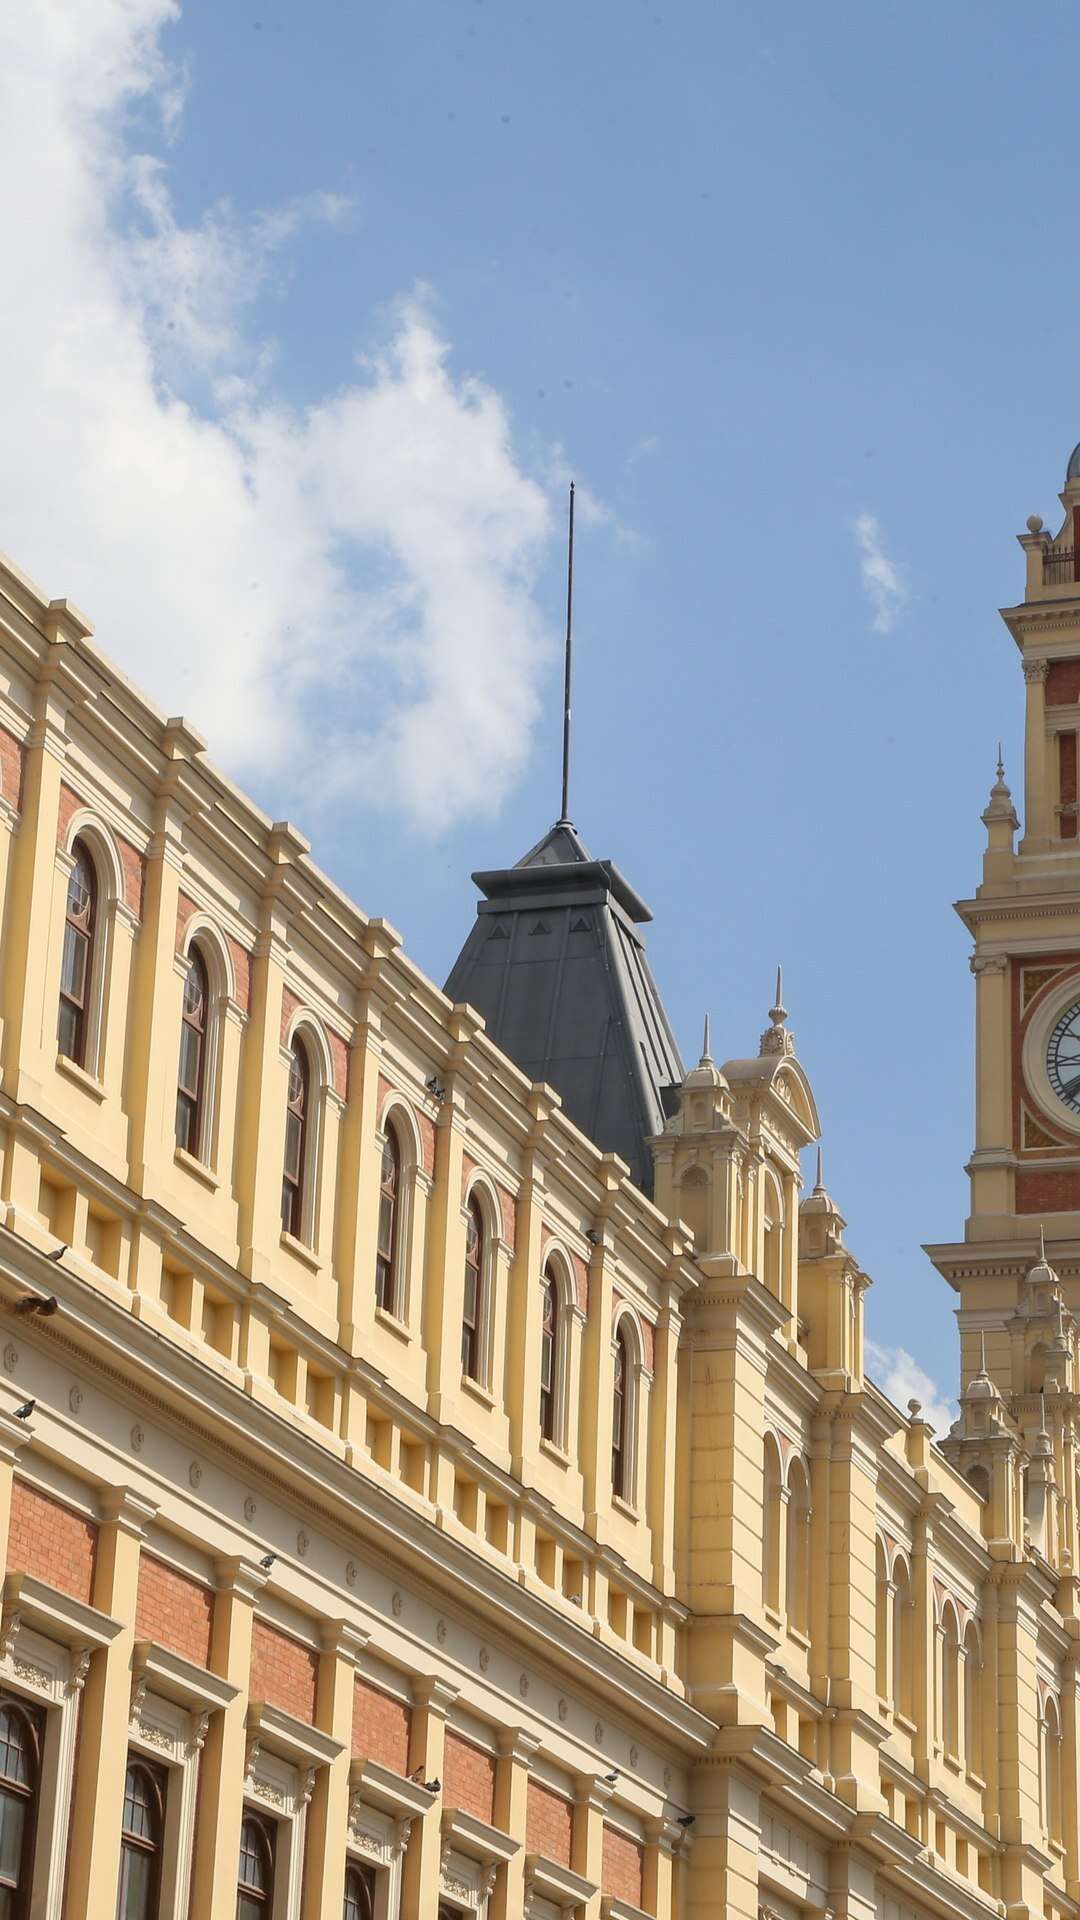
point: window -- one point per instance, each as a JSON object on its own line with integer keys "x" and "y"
{"x": 903, "y": 1641}
{"x": 950, "y": 1675}
{"x": 473, "y": 1309}
{"x": 20, "y": 1764}
{"x": 549, "y": 1356}
{"x": 972, "y": 1700}
{"x": 77, "y": 961}
{"x": 296, "y": 1125}
{"x": 140, "y": 1844}
{"x": 389, "y": 1245}
{"x": 798, "y": 1548}
{"x": 255, "y": 1891}
{"x": 770, "y": 1545}
{"x": 620, "y": 1408}
{"x": 192, "y": 1075}
{"x": 359, "y": 1894}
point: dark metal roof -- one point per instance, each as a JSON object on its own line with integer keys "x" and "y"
{"x": 558, "y": 969}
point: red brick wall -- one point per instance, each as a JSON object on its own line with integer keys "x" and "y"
{"x": 381, "y": 1727}
{"x": 548, "y": 1824}
{"x": 339, "y": 1055}
{"x": 241, "y": 963}
{"x": 290, "y": 1004}
{"x": 468, "y": 1779}
{"x": 11, "y": 768}
{"x": 173, "y": 1610}
{"x": 1063, "y": 683}
{"x": 1067, "y": 768}
{"x": 69, "y": 805}
{"x": 283, "y": 1673}
{"x": 1047, "y": 1192}
{"x": 51, "y": 1541}
{"x": 185, "y": 907}
{"x": 621, "y": 1873}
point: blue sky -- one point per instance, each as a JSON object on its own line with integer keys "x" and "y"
{"x": 321, "y": 307}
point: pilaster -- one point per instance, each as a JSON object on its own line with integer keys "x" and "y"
{"x": 221, "y": 1769}
{"x": 328, "y": 1813}
{"x": 517, "y": 1750}
{"x": 432, "y": 1700}
{"x": 98, "y": 1795}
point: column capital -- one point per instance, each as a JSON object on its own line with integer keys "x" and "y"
{"x": 435, "y": 1694}
{"x": 238, "y": 1575}
{"x": 343, "y": 1639}
{"x": 517, "y": 1745}
{"x": 131, "y": 1512}
{"x": 593, "y": 1791}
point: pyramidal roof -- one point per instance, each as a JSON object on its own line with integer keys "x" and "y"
{"x": 557, "y": 967}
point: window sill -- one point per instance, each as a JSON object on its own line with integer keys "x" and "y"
{"x": 903, "y": 1721}
{"x": 625, "y": 1507}
{"x": 976, "y": 1780}
{"x": 952, "y": 1761}
{"x": 477, "y": 1391}
{"x": 197, "y": 1168}
{"x": 800, "y": 1638}
{"x": 555, "y": 1452}
{"x": 72, "y": 1071}
{"x": 297, "y": 1248}
{"x": 392, "y": 1324}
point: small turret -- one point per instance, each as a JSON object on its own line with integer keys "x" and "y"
{"x": 1001, "y": 823}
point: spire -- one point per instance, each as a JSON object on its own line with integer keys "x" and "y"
{"x": 1000, "y": 764}
{"x": 776, "y": 1038}
{"x": 706, "y": 1056}
{"x": 564, "y": 817}
{"x": 819, "y": 1183}
{"x": 982, "y": 1354}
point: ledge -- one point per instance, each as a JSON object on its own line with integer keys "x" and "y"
{"x": 612, "y": 1908}
{"x": 31, "y": 1602}
{"x": 306, "y": 1255}
{"x": 294, "y": 1740}
{"x": 175, "y": 1678}
{"x": 197, "y": 1168}
{"x": 72, "y": 1071}
{"x": 475, "y": 1838}
{"x": 379, "y": 1786}
{"x": 557, "y": 1884}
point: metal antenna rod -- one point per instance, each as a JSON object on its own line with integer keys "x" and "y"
{"x": 564, "y": 818}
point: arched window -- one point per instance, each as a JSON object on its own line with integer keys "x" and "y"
{"x": 140, "y": 1843}
{"x": 973, "y": 1742}
{"x": 296, "y": 1131}
{"x": 20, "y": 1766}
{"x": 472, "y": 1312}
{"x": 255, "y": 1889}
{"x": 191, "y": 1079}
{"x": 774, "y": 1231}
{"x": 903, "y": 1646}
{"x": 1050, "y": 1757}
{"x": 881, "y": 1619}
{"x": 950, "y": 1677}
{"x": 549, "y": 1356}
{"x": 77, "y": 960}
{"x": 359, "y": 1894}
{"x": 770, "y": 1544}
{"x": 798, "y": 1548}
{"x": 388, "y": 1255}
{"x": 620, "y": 1418}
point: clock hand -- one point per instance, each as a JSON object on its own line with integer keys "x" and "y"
{"x": 1072, "y": 1088}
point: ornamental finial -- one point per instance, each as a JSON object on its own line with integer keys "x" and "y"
{"x": 776, "y": 1038}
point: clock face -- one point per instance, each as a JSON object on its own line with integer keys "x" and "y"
{"x": 1063, "y": 1059}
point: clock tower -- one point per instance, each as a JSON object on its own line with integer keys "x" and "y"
{"x": 1024, "y": 921}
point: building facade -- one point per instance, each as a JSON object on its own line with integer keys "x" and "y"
{"x": 438, "y": 1474}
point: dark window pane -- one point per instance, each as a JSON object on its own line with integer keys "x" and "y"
{"x": 12, "y": 1827}
{"x": 136, "y": 1884}
{"x": 16, "y": 1752}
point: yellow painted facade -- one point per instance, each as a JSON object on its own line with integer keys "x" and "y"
{"x": 413, "y": 1518}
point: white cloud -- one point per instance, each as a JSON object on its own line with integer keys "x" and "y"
{"x": 882, "y": 580}
{"x": 339, "y": 596}
{"x": 901, "y": 1379}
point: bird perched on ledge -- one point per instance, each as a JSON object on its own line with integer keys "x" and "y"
{"x": 43, "y": 1304}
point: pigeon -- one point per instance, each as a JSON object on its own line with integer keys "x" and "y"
{"x": 686, "y": 1819}
{"x": 27, "y": 1408}
{"x": 267, "y": 1561}
{"x": 40, "y": 1303}
{"x": 610, "y": 1778}
{"x": 432, "y": 1786}
{"x": 57, "y": 1253}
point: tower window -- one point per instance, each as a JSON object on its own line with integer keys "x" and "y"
{"x": 255, "y": 1889}
{"x": 296, "y": 1127}
{"x": 192, "y": 1074}
{"x": 387, "y": 1259}
{"x": 140, "y": 1842}
{"x": 619, "y": 1418}
{"x": 359, "y": 1894}
{"x": 549, "y": 1357}
{"x": 473, "y": 1307}
{"x": 77, "y": 961}
{"x": 20, "y": 1766}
